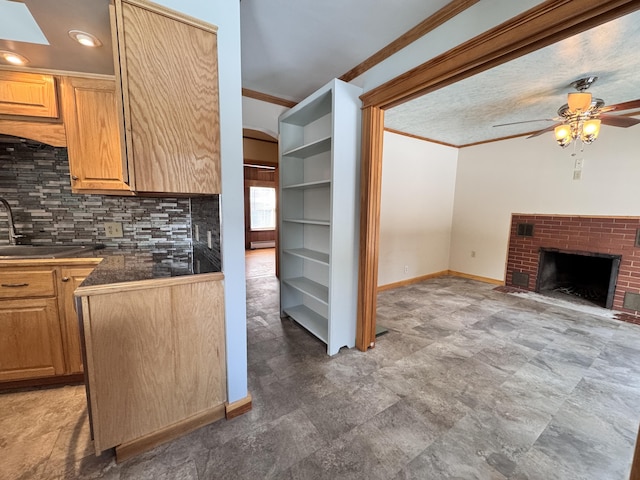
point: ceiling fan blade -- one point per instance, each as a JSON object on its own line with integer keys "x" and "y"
{"x": 619, "y": 121}
{"x": 548, "y": 129}
{"x": 525, "y": 121}
{"x": 630, "y": 105}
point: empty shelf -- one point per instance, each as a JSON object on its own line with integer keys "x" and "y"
{"x": 310, "y": 149}
{"x": 309, "y": 287}
{"x": 309, "y": 221}
{"x": 307, "y": 254}
{"x": 315, "y": 323}
{"x": 318, "y": 184}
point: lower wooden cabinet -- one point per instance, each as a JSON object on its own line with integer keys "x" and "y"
{"x": 71, "y": 278}
{"x": 30, "y": 339}
{"x": 39, "y": 334}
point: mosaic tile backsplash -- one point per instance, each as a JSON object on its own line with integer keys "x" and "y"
{"x": 34, "y": 179}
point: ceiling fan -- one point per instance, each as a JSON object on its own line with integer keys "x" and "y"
{"x": 581, "y": 116}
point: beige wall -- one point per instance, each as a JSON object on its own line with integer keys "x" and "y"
{"x": 534, "y": 175}
{"x": 418, "y": 180}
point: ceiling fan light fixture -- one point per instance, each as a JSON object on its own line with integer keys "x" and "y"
{"x": 563, "y": 135}
{"x": 84, "y": 38}
{"x": 579, "y": 102}
{"x": 13, "y": 58}
{"x": 590, "y": 130}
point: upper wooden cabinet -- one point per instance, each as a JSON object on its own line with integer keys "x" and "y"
{"x": 28, "y": 94}
{"x": 167, "y": 71}
{"x": 90, "y": 112}
{"x": 155, "y": 129}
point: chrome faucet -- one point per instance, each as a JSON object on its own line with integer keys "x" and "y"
{"x": 12, "y": 229}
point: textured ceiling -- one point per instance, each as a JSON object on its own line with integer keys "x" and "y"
{"x": 530, "y": 87}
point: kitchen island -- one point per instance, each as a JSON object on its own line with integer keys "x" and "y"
{"x": 153, "y": 346}
{"x": 151, "y": 337}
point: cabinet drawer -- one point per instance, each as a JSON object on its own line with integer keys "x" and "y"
{"x": 35, "y": 283}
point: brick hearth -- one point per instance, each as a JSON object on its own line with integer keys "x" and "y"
{"x": 576, "y": 234}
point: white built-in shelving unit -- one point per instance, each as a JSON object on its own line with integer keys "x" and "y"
{"x": 319, "y": 195}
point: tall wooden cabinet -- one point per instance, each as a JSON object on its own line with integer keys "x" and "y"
{"x": 167, "y": 74}
{"x": 319, "y": 194}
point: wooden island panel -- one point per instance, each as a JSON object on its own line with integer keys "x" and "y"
{"x": 155, "y": 359}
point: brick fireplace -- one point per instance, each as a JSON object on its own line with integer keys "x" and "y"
{"x": 593, "y": 241}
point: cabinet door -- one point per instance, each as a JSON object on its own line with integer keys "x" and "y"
{"x": 71, "y": 278}
{"x": 169, "y": 77}
{"x": 96, "y": 161}
{"x": 28, "y": 94}
{"x": 30, "y": 339}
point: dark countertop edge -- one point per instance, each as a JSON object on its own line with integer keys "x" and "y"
{"x": 146, "y": 283}
{"x": 116, "y": 266}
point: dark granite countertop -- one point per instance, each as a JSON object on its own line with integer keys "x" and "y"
{"x": 130, "y": 265}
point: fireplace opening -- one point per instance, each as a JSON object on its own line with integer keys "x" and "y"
{"x": 584, "y": 276}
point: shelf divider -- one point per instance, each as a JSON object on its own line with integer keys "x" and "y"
{"x": 313, "y": 255}
{"x": 316, "y": 184}
{"x": 310, "y": 149}
{"x": 309, "y": 287}
{"x": 308, "y": 221}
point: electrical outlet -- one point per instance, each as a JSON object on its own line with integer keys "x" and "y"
{"x": 406, "y": 269}
{"x": 113, "y": 229}
{"x": 209, "y": 240}
{"x": 577, "y": 174}
{"x": 197, "y": 233}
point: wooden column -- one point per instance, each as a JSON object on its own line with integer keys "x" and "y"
{"x": 370, "y": 192}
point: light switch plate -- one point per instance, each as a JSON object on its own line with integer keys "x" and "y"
{"x": 113, "y": 229}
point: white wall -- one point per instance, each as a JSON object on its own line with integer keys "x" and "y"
{"x": 534, "y": 175}
{"x": 226, "y": 15}
{"x": 418, "y": 180}
{"x": 261, "y": 116}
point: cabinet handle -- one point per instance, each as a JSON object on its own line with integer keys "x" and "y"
{"x": 65, "y": 279}
{"x": 15, "y": 285}
{"x": 73, "y": 177}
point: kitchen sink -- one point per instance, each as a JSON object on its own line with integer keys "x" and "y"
{"x": 43, "y": 251}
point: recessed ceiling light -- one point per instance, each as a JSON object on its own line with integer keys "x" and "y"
{"x": 84, "y": 38}
{"x": 13, "y": 58}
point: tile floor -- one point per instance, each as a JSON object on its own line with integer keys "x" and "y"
{"x": 469, "y": 383}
